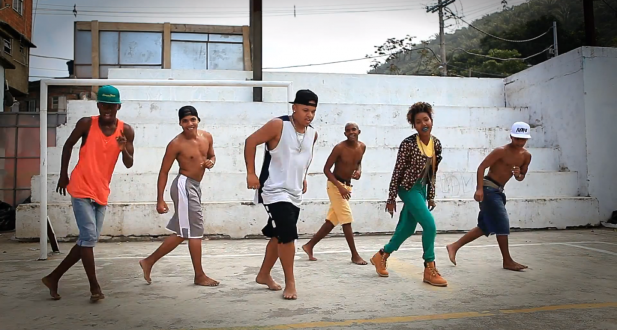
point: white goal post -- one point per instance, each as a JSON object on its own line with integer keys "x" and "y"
{"x": 121, "y": 82}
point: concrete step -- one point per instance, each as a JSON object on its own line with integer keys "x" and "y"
{"x": 376, "y": 159}
{"x": 331, "y": 88}
{"x": 219, "y": 186}
{"x": 256, "y": 113}
{"x": 239, "y": 220}
{"x": 159, "y": 135}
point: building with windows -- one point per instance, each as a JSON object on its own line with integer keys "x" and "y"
{"x": 100, "y": 46}
{"x": 16, "y": 32}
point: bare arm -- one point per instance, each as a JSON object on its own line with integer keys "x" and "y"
{"x": 211, "y": 154}
{"x": 127, "y": 153}
{"x": 81, "y": 129}
{"x": 312, "y": 152}
{"x": 494, "y": 156}
{"x": 334, "y": 155}
{"x": 524, "y": 168}
{"x": 267, "y": 132}
{"x": 171, "y": 152}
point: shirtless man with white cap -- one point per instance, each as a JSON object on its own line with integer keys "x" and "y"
{"x": 503, "y": 163}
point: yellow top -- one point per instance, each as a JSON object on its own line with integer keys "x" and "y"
{"x": 427, "y": 150}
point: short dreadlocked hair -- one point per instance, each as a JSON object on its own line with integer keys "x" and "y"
{"x": 417, "y": 108}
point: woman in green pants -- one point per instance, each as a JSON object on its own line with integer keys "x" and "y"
{"x": 414, "y": 174}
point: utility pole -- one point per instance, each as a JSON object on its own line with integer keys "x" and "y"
{"x": 441, "y": 4}
{"x": 256, "y": 46}
{"x": 590, "y": 29}
{"x": 555, "y": 48}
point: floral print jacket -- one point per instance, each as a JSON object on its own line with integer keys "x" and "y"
{"x": 409, "y": 165}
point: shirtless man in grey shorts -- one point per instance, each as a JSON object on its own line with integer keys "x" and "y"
{"x": 194, "y": 152}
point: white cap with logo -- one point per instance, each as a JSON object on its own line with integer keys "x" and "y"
{"x": 520, "y": 130}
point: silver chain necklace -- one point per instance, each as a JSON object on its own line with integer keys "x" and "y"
{"x": 297, "y": 134}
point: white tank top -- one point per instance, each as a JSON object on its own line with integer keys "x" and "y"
{"x": 284, "y": 168}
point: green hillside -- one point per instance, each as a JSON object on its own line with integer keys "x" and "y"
{"x": 521, "y": 22}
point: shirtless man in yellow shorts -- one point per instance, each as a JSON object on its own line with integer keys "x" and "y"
{"x": 347, "y": 160}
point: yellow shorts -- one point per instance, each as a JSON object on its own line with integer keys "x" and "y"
{"x": 339, "y": 212}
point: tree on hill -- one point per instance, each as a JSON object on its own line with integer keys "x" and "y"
{"x": 470, "y": 52}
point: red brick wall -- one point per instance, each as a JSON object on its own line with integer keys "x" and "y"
{"x": 23, "y": 24}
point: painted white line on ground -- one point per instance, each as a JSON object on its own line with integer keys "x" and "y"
{"x": 590, "y": 248}
{"x": 300, "y": 252}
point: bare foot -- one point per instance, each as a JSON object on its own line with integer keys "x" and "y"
{"x": 268, "y": 281}
{"x": 515, "y": 266}
{"x": 451, "y": 253}
{"x": 204, "y": 280}
{"x": 146, "y": 268}
{"x": 52, "y": 285}
{"x": 290, "y": 292}
{"x": 358, "y": 260}
{"x": 309, "y": 252}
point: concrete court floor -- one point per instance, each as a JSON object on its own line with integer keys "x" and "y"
{"x": 571, "y": 283}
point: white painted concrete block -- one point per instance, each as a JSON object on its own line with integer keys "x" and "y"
{"x": 258, "y": 113}
{"x": 239, "y": 220}
{"x": 159, "y": 135}
{"x": 376, "y": 159}
{"x": 220, "y": 186}
{"x": 331, "y": 88}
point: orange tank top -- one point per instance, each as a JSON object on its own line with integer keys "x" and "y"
{"x": 97, "y": 160}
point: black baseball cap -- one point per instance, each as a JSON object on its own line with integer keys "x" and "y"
{"x": 305, "y": 97}
{"x": 188, "y": 110}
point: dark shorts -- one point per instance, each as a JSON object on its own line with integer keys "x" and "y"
{"x": 493, "y": 217}
{"x": 282, "y": 222}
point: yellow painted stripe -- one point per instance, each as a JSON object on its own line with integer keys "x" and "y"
{"x": 559, "y": 307}
{"x": 417, "y": 318}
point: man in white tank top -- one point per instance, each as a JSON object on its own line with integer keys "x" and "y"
{"x": 289, "y": 142}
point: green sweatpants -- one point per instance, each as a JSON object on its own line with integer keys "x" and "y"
{"x": 415, "y": 210}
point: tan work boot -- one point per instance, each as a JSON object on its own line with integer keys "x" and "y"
{"x": 380, "y": 260}
{"x": 432, "y": 276}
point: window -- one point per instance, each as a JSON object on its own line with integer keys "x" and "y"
{"x": 31, "y": 106}
{"x": 8, "y": 46}
{"x": 54, "y": 103}
{"x": 18, "y": 6}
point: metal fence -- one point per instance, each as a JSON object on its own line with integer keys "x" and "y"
{"x": 20, "y": 151}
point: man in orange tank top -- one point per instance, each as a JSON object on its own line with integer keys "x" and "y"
{"x": 103, "y": 139}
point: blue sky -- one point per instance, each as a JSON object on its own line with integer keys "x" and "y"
{"x": 322, "y": 31}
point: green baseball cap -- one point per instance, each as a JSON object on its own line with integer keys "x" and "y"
{"x": 108, "y": 94}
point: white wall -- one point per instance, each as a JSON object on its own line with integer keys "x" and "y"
{"x": 573, "y": 98}
{"x": 331, "y": 88}
{"x": 553, "y": 91}
{"x": 600, "y": 76}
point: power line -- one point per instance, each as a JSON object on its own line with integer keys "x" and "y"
{"x": 52, "y": 57}
{"x": 496, "y": 37}
{"x": 325, "y": 63}
{"x": 504, "y": 59}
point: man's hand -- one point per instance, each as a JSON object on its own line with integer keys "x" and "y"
{"x": 252, "y": 182}
{"x": 391, "y": 208}
{"x": 356, "y": 174}
{"x": 479, "y": 195}
{"x": 344, "y": 192}
{"x": 207, "y": 164}
{"x": 304, "y": 186}
{"x": 516, "y": 171}
{"x": 63, "y": 181}
{"x": 121, "y": 141}
{"x": 161, "y": 207}
{"x": 431, "y": 205}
